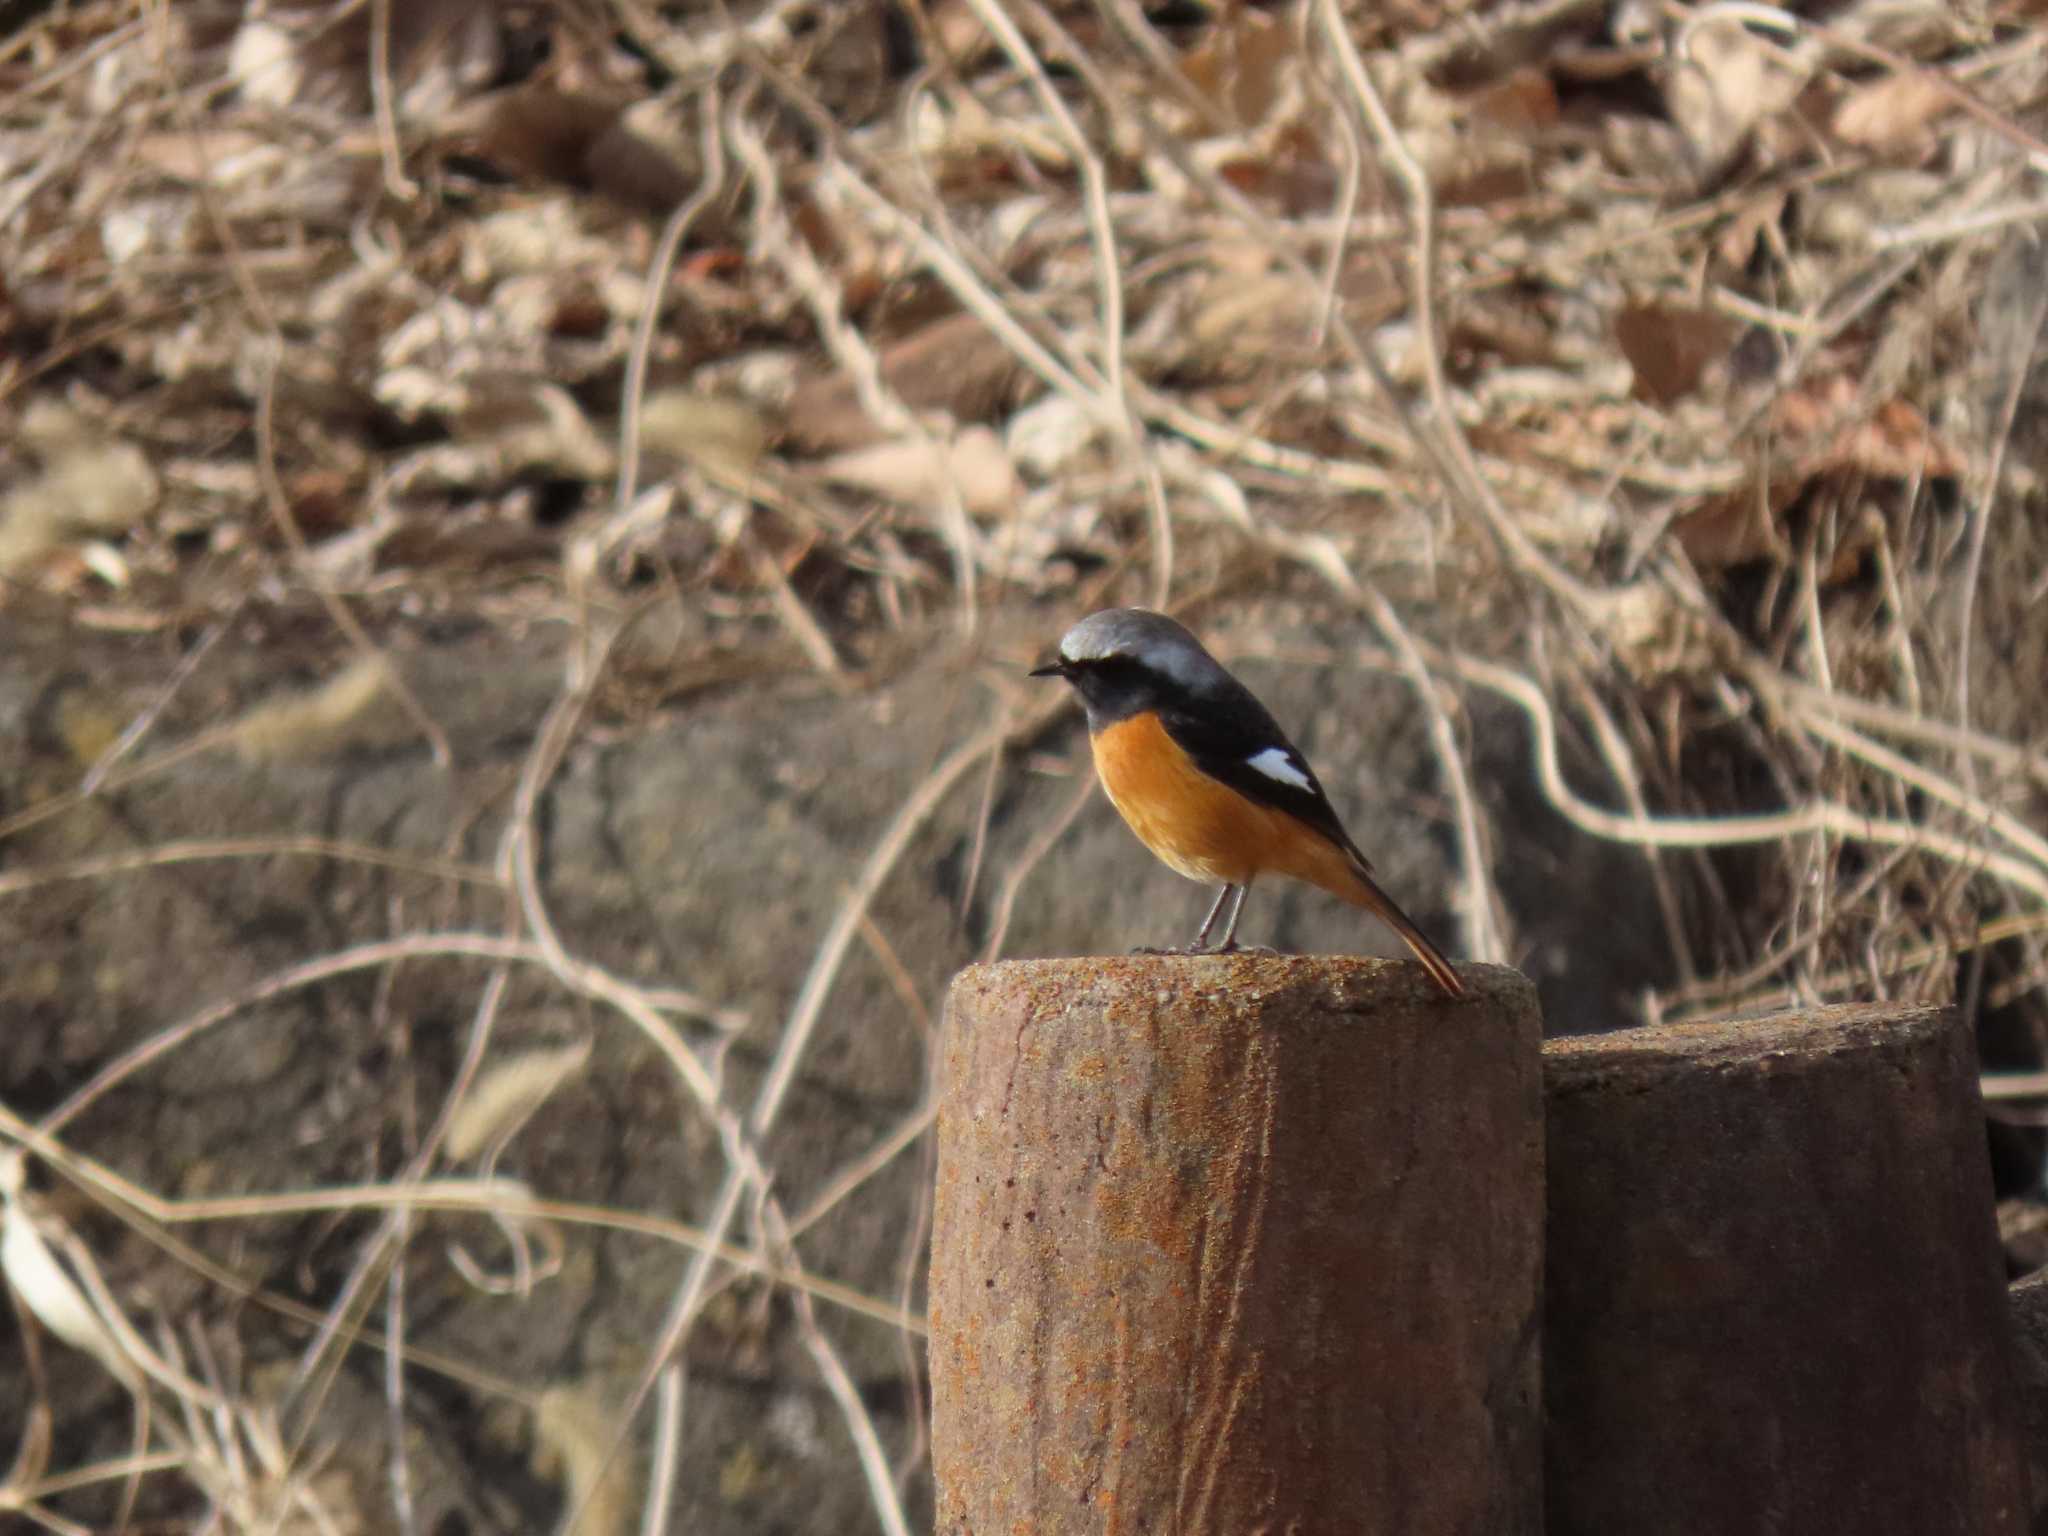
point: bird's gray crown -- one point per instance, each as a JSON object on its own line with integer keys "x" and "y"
{"x": 1149, "y": 638}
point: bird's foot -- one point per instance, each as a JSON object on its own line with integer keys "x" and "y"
{"x": 1232, "y": 948}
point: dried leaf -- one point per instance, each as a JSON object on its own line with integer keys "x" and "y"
{"x": 1294, "y": 172}
{"x": 507, "y": 1095}
{"x": 1670, "y": 347}
{"x": 1827, "y": 428}
{"x": 576, "y": 1434}
{"x": 216, "y": 156}
{"x": 1248, "y": 62}
{"x": 1522, "y": 102}
{"x": 1733, "y": 80}
{"x": 917, "y": 472}
{"x": 1737, "y": 243}
{"x": 1891, "y": 116}
{"x": 342, "y": 712}
{"x": 1739, "y": 527}
{"x": 439, "y": 51}
{"x": 89, "y": 483}
{"x": 41, "y": 1282}
{"x": 542, "y": 237}
{"x": 264, "y": 63}
{"x": 955, "y": 364}
{"x": 959, "y": 33}
{"x": 506, "y": 431}
{"x": 714, "y": 430}
{"x": 1236, "y": 317}
{"x": 1048, "y": 435}
{"x": 1896, "y": 442}
{"x": 541, "y": 133}
{"x": 1484, "y": 186}
{"x": 638, "y": 171}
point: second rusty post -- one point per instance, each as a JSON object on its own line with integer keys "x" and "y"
{"x": 1774, "y": 1291}
{"x": 1237, "y": 1243}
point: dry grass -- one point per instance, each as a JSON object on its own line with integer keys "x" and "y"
{"x": 1680, "y": 372}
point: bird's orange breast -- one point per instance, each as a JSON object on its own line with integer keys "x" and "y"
{"x": 1200, "y": 827}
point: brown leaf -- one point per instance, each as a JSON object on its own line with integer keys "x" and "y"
{"x": 636, "y": 172}
{"x": 952, "y": 364}
{"x": 579, "y": 309}
{"x": 543, "y": 134}
{"x": 1671, "y": 347}
{"x": 1895, "y": 442}
{"x": 958, "y": 33}
{"x": 1891, "y": 116}
{"x": 323, "y": 501}
{"x": 1244, "y": 65}
{"x": 1739, "y": 527}
{"x": 580, "y": 139}
{"x": 1295, "y": 173}
{"x": 1827, "y": 428}
{"x": 1522, "y": 102}
{"x": 1486, "y": 185}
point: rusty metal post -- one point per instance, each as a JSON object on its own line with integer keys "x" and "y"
{"x": 2028, "y": 1309}
{"x": 1235, "y": 1244}
{"x": 1774, "y": 1298}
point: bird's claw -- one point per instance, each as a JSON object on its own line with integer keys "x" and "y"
{"x": 1232, "y": 948}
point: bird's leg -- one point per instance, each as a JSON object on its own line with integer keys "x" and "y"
{"x": 1202, "y": 936}
{"x": 1201, "y": 944}
{"x": 1230, "y": 946}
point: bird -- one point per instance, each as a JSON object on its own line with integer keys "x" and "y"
{"x": 1201, "y": 771}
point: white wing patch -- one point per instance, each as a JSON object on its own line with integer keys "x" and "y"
{"x": 1279, "y": 763}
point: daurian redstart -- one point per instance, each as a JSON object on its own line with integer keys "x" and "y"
{"x": 1207, "y": 779}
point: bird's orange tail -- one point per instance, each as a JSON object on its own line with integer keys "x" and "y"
{"x": 1342, "y": 871}
{"x": 1365, "y": 892}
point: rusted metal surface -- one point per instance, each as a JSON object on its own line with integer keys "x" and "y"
{"x": 1237, "y": 1244}
{"x": 1774, "y": 1298}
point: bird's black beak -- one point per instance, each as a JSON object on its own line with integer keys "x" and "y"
{"x": 1050, "y": 669}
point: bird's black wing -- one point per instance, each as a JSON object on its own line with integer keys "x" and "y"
{"x": 1235, "y": 739}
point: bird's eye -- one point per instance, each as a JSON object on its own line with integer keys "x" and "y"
{"x": 1115, "y": 672}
